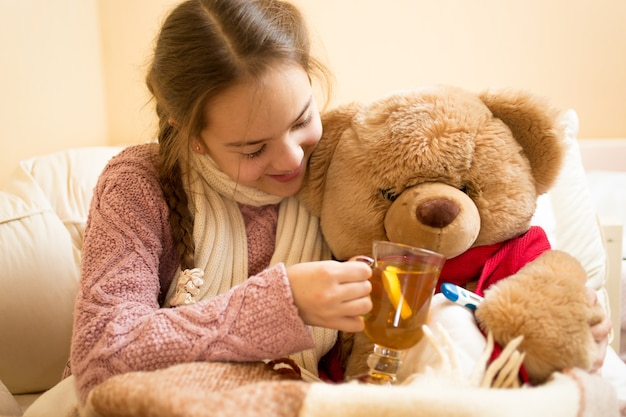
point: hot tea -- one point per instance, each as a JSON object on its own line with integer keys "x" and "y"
{"x": 401, "y": 297}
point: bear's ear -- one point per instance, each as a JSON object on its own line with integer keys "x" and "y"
{"x": 334, "y": 123}
{"x": 535, "y": 125}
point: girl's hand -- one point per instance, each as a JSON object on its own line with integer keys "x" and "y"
{"x": 332, "y": 294}
{"x": 600, "y": 332}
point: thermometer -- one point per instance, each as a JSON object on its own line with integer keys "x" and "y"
{"x": 461, "y": 296}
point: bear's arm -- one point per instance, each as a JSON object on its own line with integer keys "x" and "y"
{"x": 545, "y": 301}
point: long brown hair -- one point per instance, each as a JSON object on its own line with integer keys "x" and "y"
{"x": 204, "y": 47}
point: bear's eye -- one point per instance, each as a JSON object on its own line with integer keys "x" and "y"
{"x": 389, "y": 194}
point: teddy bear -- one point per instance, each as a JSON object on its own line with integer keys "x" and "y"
{"x": 459, "y": 173}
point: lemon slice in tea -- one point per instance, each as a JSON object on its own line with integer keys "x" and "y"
{"x": 391, "y": 283}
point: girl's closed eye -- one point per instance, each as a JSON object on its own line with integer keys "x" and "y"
{"x": 304, "y": 122}
{"x": 254, "y": 154}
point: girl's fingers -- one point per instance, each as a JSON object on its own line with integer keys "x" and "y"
{"x": 355, "y": 271}
{"x": 365, "y": 259}
{"x": 356, "y": 307}
{"x": 355, "y": 290}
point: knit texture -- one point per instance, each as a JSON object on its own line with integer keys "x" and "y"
{"x": 199, "y": 390}
{"x": 488, "y": 264}
{"x": 128, "y": 263}
{"x": 221, "y": 246}
{"x": 252, "y": 390}
{"x": 260, "y": 221}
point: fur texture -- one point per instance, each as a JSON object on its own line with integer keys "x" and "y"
{"x": 450, "y": 170}
{"x": 550, "y": 321}
{"x": 374, "y": 153}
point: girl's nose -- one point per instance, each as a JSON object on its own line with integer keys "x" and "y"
{"x": 291, "y": 155}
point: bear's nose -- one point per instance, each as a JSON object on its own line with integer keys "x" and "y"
{"x": 437, "y": 213}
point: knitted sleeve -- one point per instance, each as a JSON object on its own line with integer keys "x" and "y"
{"x": 128, "y": 260}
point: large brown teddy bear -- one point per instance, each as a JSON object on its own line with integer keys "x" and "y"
{"x": 460, "y": 174}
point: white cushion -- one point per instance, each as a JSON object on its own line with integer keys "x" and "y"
{"x": 43, "y": 210}
{"x": 38, "y": 276}
{"x": 570, "y": 219}
{"x": 67, "y": 179}
{"x": 567, "y": 212}
{"x": 8, "y": 405}
{"x": 60, "y": 401}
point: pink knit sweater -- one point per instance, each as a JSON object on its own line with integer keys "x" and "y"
{"x": 128, "y": 263}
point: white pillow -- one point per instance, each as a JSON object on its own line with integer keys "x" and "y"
{"x": 38, "y": 277}
{"x": 67, "y": 178}
{"x": 567, "y": 212}
{"x": 8, "y": 405}
{"x": 43, "y": 210}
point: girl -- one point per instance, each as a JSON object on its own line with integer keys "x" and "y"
{"x": 205, "y": 221}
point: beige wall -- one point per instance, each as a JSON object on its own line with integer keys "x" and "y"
{"x": 572, "y": 51}
{"x": 129, "y": 28}
{"x": 73, "y": 70}
{"x": 51, "y": 89}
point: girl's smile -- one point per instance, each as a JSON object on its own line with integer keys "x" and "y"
{"x": 287, "y": 176}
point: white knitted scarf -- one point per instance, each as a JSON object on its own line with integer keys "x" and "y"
{"x": 220, "y": 239}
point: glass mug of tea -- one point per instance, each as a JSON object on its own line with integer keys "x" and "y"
{"x": 403, "y": 283}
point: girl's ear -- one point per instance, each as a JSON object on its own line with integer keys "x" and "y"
{"x": 197, "y": 146}
{"x": 173, "y": 123}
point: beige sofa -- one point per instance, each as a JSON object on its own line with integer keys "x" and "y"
{"x": 43, "y": 208}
